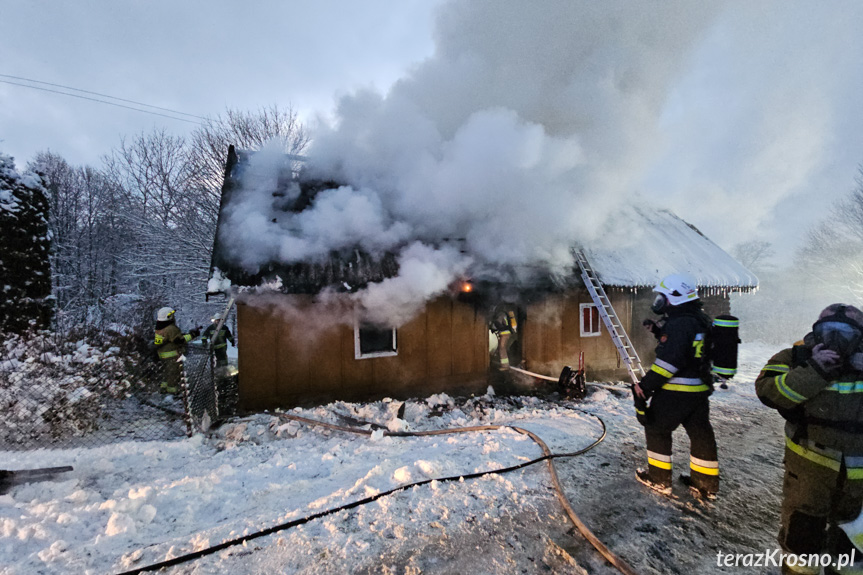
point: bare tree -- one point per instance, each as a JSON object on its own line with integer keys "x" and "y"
{"x": 754, "y": 254}
{"x": 833, "y": 252}
{"x": 245, "y": 131}
{"x": 88, "y": 235}
{"x": 155, "y": 173}
{"x": 171, "y": 188}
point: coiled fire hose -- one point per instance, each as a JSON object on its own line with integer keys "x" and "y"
{"x": 547, "y": 455}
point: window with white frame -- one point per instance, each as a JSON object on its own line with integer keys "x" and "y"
{"x": 374, "y": 341}
{"x": 590, "y": 323}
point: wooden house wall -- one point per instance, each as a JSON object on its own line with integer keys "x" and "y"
{"x": 552, "y": 340}
{"x": 284, "y": 363}
{"x": 552, "y": 337}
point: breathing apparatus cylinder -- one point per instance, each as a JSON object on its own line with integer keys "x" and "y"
{"x": 724, "y": 338}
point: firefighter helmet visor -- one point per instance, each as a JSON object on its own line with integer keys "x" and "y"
{"x": 660, "y": 302}
{"x": 838, "y": 335}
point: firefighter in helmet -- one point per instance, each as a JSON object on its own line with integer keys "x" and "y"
{"x": 817, "y": 386}
{"x": 170, "y": 345}
{"x": 504, "y": 324}
{"x": 220, "y": 339}
{"x": 678, "y": 386}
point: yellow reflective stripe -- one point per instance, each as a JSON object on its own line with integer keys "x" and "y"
{"x": 781, "y": 368}
{"x": 723, "y": 370}
{"x": 220, "y": 345}
{"x": 811, "y": 455}
{"x": 167, "y": 354}
{"x": 678, "y": 387}
{"x": 639, "y": 412}
{"x": 659, "y": 464}
{"x": 188, "y": 337}
{"x": 661, "y": 371}
{"x": 726, "y": 322}
{"x": 505, "y": 360}
{"x": 855, "y": 473}
{"x": 159, "y": 340}
{"x": 704, "y": 470}
{"x": 787, "y": 391}
{"x": 846, "y": 387}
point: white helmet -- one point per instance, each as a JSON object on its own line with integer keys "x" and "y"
{"x": 165, "y": 314}
{"x": 674, "y": 290}
{"x": 216, "y": 317}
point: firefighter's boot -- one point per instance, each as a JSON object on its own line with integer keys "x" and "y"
{"x": 643, "y": 476}
{"x": 697, "y": 491}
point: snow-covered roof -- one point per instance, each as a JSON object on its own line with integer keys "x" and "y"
{"x": 649, "y": 244}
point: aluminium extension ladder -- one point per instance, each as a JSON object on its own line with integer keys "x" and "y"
{"x": 609, "y": 317}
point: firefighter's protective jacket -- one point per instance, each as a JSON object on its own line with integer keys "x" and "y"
{"x": 219, "y": 339}
{"x": 170, "y": 341}
{"x": 681, "y": 363}
{"x": 824, "y": 418}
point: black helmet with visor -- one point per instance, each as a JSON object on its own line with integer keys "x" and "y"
{"x": 838, "y": 332}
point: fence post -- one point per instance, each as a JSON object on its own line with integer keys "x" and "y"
{"x": 187, "y": 408}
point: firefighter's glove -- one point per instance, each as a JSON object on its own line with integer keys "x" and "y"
{"x": 195, "y": 332}
{"x": 856, "y": 361}
{"x": 642, "y": 411}
{"x": 826, "y": 362}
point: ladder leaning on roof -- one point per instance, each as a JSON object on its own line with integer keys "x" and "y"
{"x": 609, "y": 317}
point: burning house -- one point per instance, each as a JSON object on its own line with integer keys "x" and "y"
{"x": 392, "y": 311}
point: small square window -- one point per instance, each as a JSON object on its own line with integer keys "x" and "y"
{"x": 374, "y": 341}
{"x": 590, "y": 322}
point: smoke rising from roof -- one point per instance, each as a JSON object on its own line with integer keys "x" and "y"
{"x": 520, "y": 135}
{"x": 530, "y": 125}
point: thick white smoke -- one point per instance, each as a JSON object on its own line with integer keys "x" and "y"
{"x": 531, "y": 123}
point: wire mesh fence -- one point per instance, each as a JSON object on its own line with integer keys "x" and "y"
{"x": 211, "y": 387}
{"x": 60, "y": 394}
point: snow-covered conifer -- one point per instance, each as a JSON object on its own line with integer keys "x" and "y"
{"x": 25, "y": 242}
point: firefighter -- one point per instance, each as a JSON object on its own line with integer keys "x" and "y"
{"x": 505, "y": 326}
{"x": 817, "y": 386}
{"x": 170, "y": 344}
{"x": 220, "y": 340}
{"x": 678, "y": 386}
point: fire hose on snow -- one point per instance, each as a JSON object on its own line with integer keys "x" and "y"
{"x": 547, "y": 456}
{"x": 564, "y": 375}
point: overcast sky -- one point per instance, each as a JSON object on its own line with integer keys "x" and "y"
{"x": 742, "y": 117}
{"x": 194, "y": 56}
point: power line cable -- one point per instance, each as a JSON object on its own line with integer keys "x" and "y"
{"x": 103, "y": 96}
{"x": 109, "y": 103}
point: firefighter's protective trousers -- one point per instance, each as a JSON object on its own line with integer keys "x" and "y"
{"x": 668, "y": 411}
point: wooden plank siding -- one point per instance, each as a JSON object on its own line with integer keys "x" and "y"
{"x": 444, "y": 348}
{"x": 552, "y": 337}
{"x": 282, "y": 363}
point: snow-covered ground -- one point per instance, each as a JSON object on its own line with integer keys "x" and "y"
{"x": 129, "y": 505}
